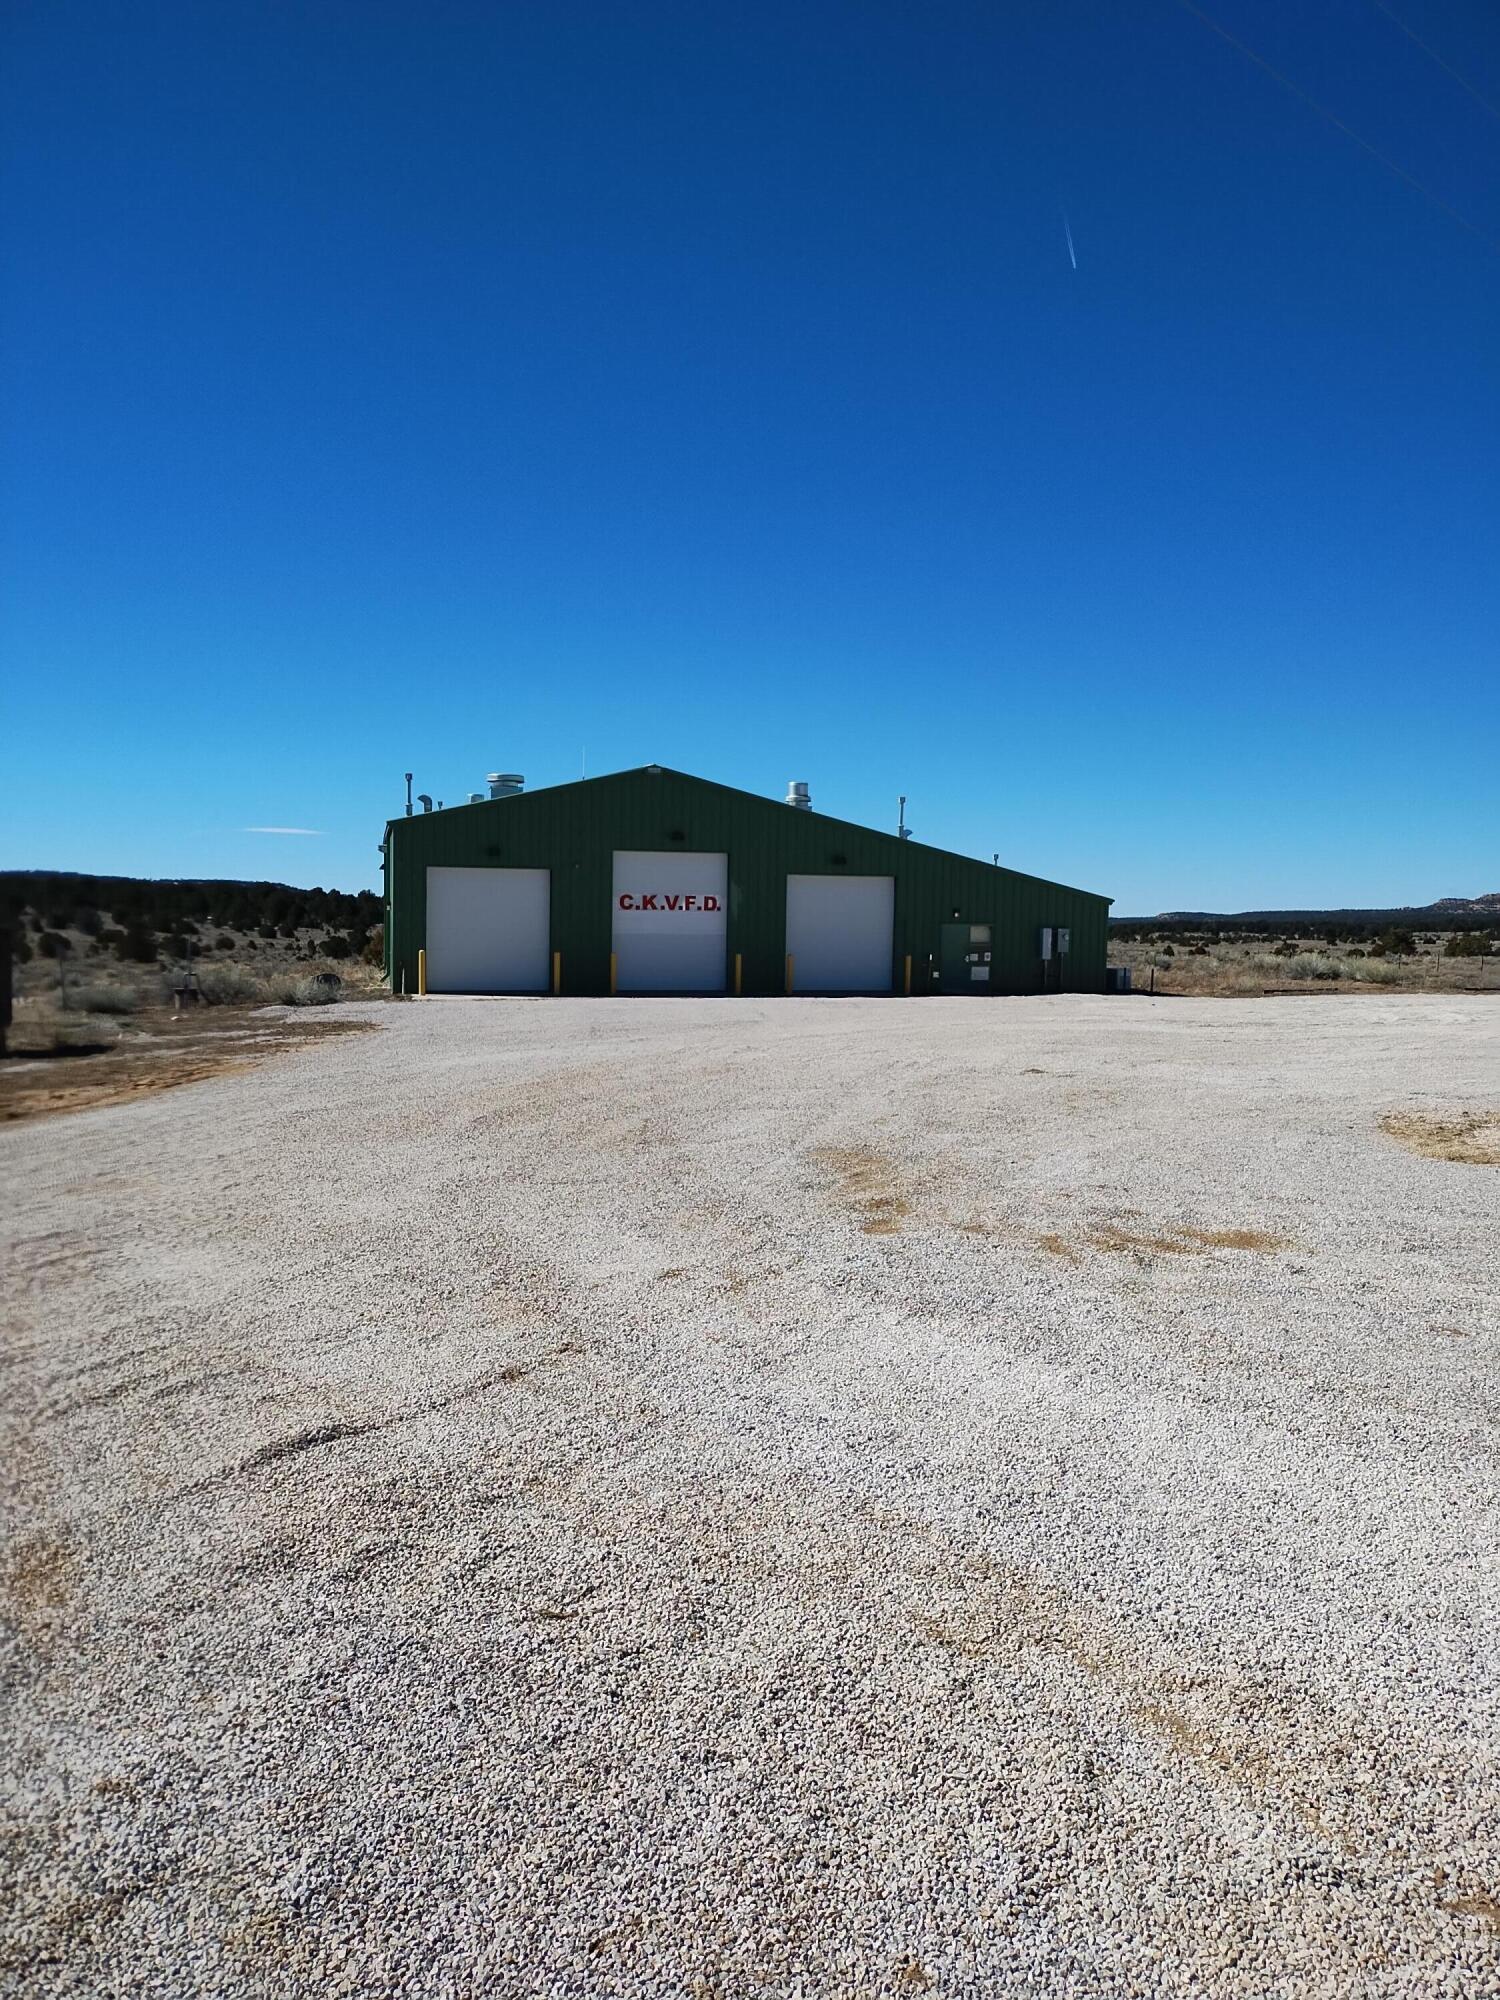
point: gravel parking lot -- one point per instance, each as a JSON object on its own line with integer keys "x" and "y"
{"x": 762, "y": 1497}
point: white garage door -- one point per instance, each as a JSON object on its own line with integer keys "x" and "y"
{"x": 670, "y": 922}
{"x": 488, "y": 930}
{"x": 840, "y": 931}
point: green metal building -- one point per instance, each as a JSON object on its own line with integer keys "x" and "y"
{"x": 654, "y": 881}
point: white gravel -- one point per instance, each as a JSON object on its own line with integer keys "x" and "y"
{"x": 486, "y": 1518}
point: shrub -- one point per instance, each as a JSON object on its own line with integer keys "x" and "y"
{"x": 1396, "y": 944}
{"x": 1467, "y": 944}
{"x": 93, "y": 998}
{"x": 334, "y": 946}
{"x": 374, "y": 951}
{"x": 310, "y": 992}
{"x": 1376, "y": 972}
{"x": 52, "y": 944}
{"x": 20, "y": 949}
{"x": 1311, "y": 965}
{"x": 139, "y": 946}
{"x": 229, "y": 986}
{"x": 46, "y": 1031}
{"x": 223, "y": 942}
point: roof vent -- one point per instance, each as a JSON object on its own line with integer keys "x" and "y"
{"x": 797, "y": 794}
{"x": 476, "y": 798}
{"x": 504, "y": 784}
{"x": 424, "y": 801}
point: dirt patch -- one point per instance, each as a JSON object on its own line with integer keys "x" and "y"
{"x": 191, "y": 1050}
{"x": 1175, "y": 1240}
{"x": 1479, "y": 1905}
{"x": 1204, "y": 1746}
{"x": 911, "y": 1976}
{"x": 1471, "y": 1139}
{"x": 868, "y": 1186}
{"x": 37, "y": 1585}
{"x": 971, "y": 1644}
{"x": 1057, "y": 1246}
{"x": 1236, "y": 1239}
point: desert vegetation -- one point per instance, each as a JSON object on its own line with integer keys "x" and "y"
{"x": 1181, "y": 955}
{"x": 138, "y": 922}
{"x": 110, "y": 966}
{"x": 62, "y": 1010}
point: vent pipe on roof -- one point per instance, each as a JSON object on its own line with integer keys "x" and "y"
{"x": 903, "y": 831}
{"x": 408, "y": 795}
{"x": 797, "y": 794}
{"x": 504, "y": 784}
{"x": 476, "y": 798}
{"x": 424, "y": 802}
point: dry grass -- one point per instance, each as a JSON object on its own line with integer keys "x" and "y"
{"x": 1245, "y": 966}
{"x": 1058, "y": 1246}
{"x": 37, "y": 1586}
{"x": 868, "y": 1186}
{"x": 1175, "y": 1240}
{"x": 105, "y": 997}
{"x": 1236, "y": 1239}
{"x": 41, "y": 1028}
{"x": 1478, "y": 1905}
{"x": 1472, "y": 1139}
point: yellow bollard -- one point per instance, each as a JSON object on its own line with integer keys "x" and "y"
{"x": 739, "y": 969}
{"x": 422, "y": 971}
{"x": 614, "y": 972}
{"x": 791, "y": 968}
{"x": 907, "y": 988}
{"x": 556, "y": 973}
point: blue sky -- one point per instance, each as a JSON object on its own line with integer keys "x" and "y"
{"x": 451, "y": 387}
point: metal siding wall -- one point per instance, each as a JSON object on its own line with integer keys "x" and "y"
{"x": 575, "y": 829}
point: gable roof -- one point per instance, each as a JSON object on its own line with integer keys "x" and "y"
{"x": 759, "y": 801}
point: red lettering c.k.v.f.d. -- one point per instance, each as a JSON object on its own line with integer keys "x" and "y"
{"x": 660, "y": 900}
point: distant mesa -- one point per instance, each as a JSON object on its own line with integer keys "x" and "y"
{"x": 1419, "y": 916}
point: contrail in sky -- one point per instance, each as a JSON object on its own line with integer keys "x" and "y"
{"x": 1068, "y": 232}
